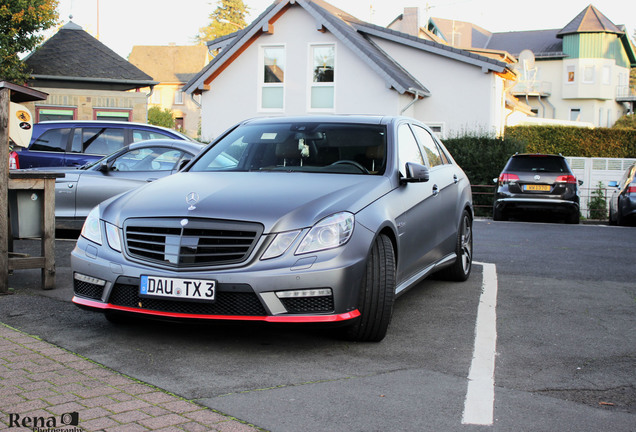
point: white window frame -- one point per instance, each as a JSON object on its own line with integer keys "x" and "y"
{"x": 606, "y": 75}
{"x": 568, "y": 70}
{"x": 261, "y": 81}
{"x": 573, "y": 110}
{"x": 589, "y": 74}
{"x": 178, "y": 97}
{"x": 310, "y": 81}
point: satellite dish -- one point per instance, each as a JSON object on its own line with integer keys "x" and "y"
{"x": 526, "y": 61}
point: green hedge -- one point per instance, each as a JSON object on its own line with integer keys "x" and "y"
{"x": 573, "y": 141}
{"x": 482, "y": 159}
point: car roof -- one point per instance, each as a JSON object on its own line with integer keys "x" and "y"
{"x": 191, "y": 145}
{"x": 363, "y": 119}
{"x": 110, "y": 123}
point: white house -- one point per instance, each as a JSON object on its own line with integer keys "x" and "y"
{"x": 308, "y": 57}
{"x": 578, "y": 73}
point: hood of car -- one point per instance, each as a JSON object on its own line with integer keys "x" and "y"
{"x": 280, "y": 201}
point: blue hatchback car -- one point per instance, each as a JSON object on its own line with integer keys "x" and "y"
{"x": 73, "y": 143}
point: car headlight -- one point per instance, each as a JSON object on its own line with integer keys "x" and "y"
{"x": 91, "y": 229}
{"x": 280, "y": 244}
{"x": 112, "y": 236}
{"x": 329, "y": 233}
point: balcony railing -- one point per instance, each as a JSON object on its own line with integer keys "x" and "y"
{"x": 533, "y": 87}
{"x": 625, "y": 92}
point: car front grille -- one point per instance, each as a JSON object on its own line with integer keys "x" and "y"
{"x": 181, "y": 242}
{"x": 242, "y": 302}
{"x": 88, "y": 290}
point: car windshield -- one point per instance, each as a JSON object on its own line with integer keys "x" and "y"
{"x": 308, "y": 147}
{"x": 537, "y": 164}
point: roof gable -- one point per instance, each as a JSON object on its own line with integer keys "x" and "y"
{"x": 351, "y": 31}
{"x": 73, "y": 54}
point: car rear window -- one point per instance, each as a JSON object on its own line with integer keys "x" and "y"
{"x": 54, "y": 140}
{"x": 537, "y": 164}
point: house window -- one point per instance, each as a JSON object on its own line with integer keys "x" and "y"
{"x": 178, "y": 97}
{"x": 322, "y": 70}
{"x": 570, "y": 74}
{"x": 606, "y": 75}
{"x": 273, "y": 77}
{"x": 47, "y": 114}
{"x": 575, "y": 114}
{"x": 588, "y": 74}
{"x": 112, "y": 115}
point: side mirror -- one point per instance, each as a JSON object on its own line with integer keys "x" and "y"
{"x": 104, "y": 167}
{"x": 580, "y": 182}
{"x": 416, "y": 173}
{"x": 183, "y": 163}
{"x": 612, "y": 184}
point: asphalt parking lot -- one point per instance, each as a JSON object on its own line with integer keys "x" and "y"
{"x": 553, "y": 308}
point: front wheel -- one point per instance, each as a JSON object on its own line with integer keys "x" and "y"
{"x": 460, "y": 270}
{"x": 377, "y": 293}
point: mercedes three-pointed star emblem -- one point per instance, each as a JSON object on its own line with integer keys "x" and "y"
{"x": 191, "y": 199}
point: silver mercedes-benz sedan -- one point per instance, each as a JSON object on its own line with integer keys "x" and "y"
{"x": 285, "y": 220}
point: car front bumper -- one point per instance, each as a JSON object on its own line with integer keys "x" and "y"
{"x": 104, "y": 280}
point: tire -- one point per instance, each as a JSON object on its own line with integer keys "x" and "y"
{"x": 574, "y": 218}
{"x": 460, "y": 270}
{"x": 498, "y": 215}
{"x": 611, "y": 219}
{"x": 377, "y": 293}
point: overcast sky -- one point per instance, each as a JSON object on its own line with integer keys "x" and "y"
{"x": 124, "y": 23}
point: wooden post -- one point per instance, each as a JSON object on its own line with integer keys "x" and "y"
{"x": 15, "y": 93}
{"x": 5, "y": 98}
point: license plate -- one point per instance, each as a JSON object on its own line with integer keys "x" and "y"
{"x": 542, "y": 188}
{"x": 177, "y": 288}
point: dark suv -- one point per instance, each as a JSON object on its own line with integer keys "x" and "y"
{"x": 76, "y": 142}
{"x": 537, "y": 182}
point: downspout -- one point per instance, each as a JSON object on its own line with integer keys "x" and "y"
{"x": 194, "y": 100}
{"x": 148, "y": 95}
{"x": 416, "y": 96}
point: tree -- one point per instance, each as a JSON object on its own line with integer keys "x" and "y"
{"x": 21, "y": 22}
{"x": 228, "y": 17}
{"x": 159, "y": 117}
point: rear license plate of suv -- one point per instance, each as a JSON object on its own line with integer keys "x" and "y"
{"x": 541, "y": 188}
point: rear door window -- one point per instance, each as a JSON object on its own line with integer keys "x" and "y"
{"x": 142, "y": 135}
{"x": 53, "y": 140}
{"x": 99, "y": 141}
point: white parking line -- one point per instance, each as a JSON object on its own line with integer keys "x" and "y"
{"x": 480, "y": 397}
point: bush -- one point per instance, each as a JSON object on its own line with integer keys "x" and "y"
{"x": 573, "y": 141}
{"x": 159, "y": 117}
{"x": 482, "y": 159}
{"x": 598, "y": 204}
{"x": 626, "y": 122}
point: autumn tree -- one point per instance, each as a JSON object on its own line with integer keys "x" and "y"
{"x": 228, "y": 17}
{"x": 21, "y": 24}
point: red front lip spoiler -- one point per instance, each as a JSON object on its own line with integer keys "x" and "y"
{"x": 274, "y": 319}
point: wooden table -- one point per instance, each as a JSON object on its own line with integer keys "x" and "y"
{"x": 45, "y": 181}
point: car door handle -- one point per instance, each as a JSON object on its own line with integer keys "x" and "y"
{"x": 435, "y": 190}
{"x": 455, "y": 179}
{"x": 151, "y": 179}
